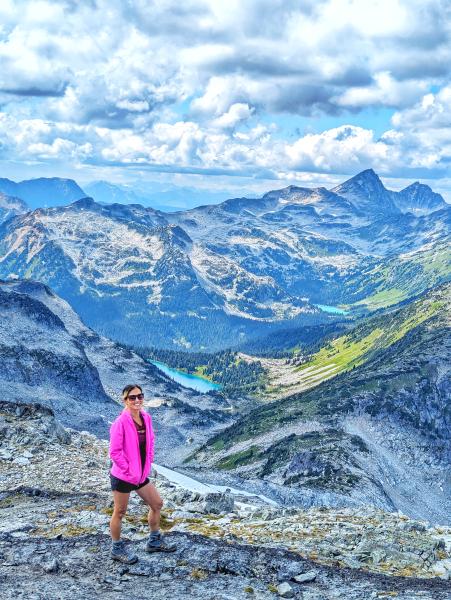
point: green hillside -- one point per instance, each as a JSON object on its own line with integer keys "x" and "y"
{"x": 404, "y": 276}
{"x": 350, "y": 350}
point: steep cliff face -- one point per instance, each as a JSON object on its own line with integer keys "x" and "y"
{"x": 379, "y": 432}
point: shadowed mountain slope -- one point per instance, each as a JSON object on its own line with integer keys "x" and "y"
{"x": 49, "y": 357}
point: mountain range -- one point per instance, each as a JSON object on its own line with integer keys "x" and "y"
{"x": 363, "y": 417}
{"x": 216, "y": 276}
{"x": 166, "y": 197}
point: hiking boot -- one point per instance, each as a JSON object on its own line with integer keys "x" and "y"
{"x": 157, "y": 544}
{"x": 119, "y": 552}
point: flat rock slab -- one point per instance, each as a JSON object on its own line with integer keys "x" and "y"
{"x": 305, "y": 577}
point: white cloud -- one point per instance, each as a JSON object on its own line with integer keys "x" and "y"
{"x": 385, "y": 91}
{"x": 286, "y": 56}
{"x": 237, "y": 113}
{"x": 189, "y": 86}
{"x": 432, "y": 112}
{"x": 338, "y": 149}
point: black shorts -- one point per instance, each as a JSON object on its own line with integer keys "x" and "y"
{"x": 119, "y": 485}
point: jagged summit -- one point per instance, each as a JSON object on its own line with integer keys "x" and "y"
{"x": 364, "y": 192}
{"x": 367, "y": 193}
{"x": 367, "y": 181}
{"x": 419, "y": 198}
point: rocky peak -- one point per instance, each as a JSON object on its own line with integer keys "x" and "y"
{"x": 86, "y": 202}
{"x": 367, "y": 193}
{"x": 366, "y": 180}
{"x": 418, "y": 198}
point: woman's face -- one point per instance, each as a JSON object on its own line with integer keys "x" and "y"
{"x": 134, "y": 399}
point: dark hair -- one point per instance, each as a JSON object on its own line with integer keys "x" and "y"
{"x": 128, "y": 388}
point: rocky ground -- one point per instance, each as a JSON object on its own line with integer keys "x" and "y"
{"x": 55, "y": 506}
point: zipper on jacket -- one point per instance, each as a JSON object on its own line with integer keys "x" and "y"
{"x": 137, "y": 441}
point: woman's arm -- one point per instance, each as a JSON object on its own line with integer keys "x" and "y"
{"x": 117, "y": 445}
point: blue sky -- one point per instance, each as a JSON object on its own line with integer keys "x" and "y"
{"x": 226, "y": 98}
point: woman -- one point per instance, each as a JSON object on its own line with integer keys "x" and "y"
{"x": 131, "y": 450}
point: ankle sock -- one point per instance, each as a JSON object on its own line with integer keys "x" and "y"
{"x": 154, "y": 535}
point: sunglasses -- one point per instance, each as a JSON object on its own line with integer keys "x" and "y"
{"x": 134, "y": 397}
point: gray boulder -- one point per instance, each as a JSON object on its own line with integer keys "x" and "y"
{"x": 217, "y": 503}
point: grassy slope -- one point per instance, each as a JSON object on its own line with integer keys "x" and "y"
{"x": 348, "y": 351}
{"x": 405, "y": 276}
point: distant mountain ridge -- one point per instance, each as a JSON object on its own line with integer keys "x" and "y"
{"x": 44, "y": 191}
{"x": 161, "y": 197}
{"x": 417, "y": 198}
{"x": 217, "y": 275}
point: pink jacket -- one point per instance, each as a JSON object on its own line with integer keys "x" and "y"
{"x": 124, "y": 448}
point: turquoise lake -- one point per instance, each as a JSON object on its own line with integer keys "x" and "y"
{"x": 191, "y": 381}
{"x": 331, "y": 309}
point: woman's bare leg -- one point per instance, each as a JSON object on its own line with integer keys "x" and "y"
{"x": 120, "y": 508}
{"x": 153, "y": 499}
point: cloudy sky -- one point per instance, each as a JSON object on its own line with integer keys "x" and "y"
{"x": 226, "y": 96}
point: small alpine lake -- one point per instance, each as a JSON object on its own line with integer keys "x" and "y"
{"x": 331, "y": 309}
{"x": 191, "y": 381}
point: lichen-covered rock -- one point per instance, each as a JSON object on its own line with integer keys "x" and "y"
{"x": 217, "y": 503}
